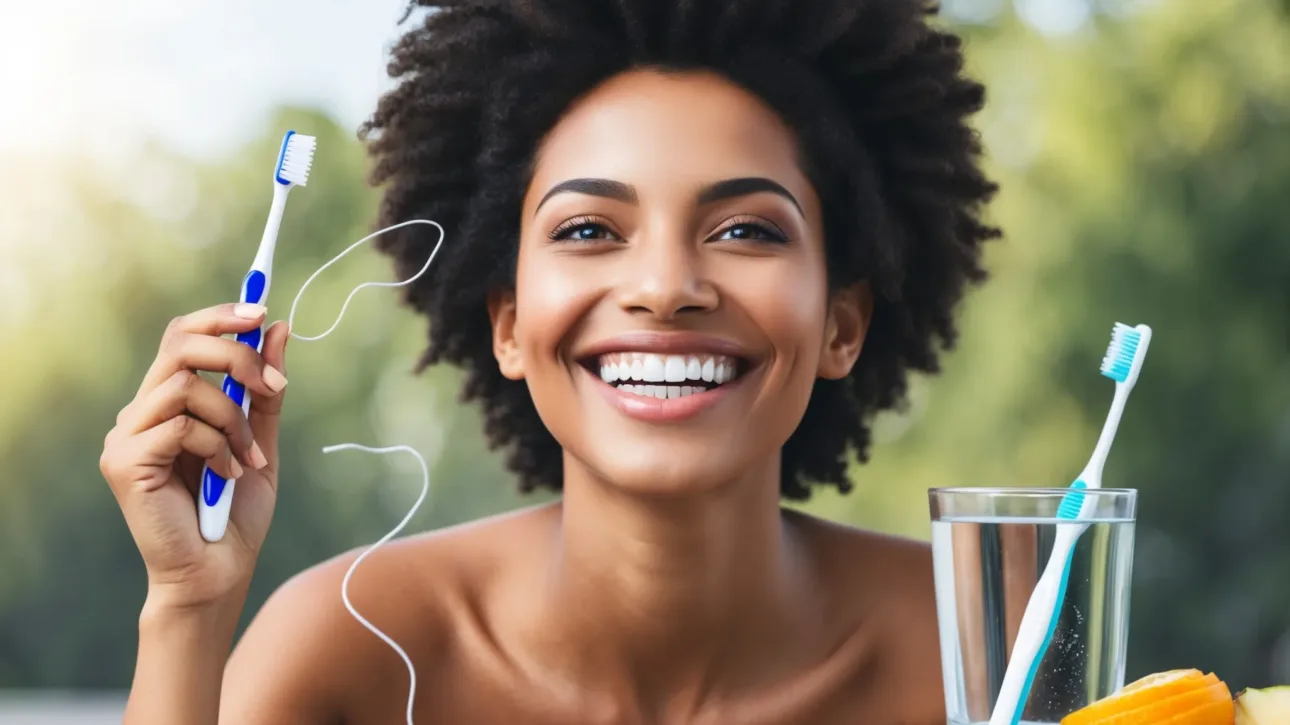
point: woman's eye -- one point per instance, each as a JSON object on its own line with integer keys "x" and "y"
{"x": 583, "y": 232}
{"x": 748, "y": 231}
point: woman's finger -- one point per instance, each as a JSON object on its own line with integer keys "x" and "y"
{"x": 187, "y": 351}
{"x": 226, "y": 319}
{"x": 266, "y": 409}
{"x": 137, "y": 459}
{"x": 187, "y": 393}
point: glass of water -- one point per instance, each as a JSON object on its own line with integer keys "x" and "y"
{"x": 989, "y": 548}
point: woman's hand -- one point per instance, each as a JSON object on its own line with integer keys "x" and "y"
{"x": 179, "y": 421}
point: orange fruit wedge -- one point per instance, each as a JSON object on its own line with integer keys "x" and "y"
{"x": 1164, "y": 679}
{"x": 1222, "y": 712}
{"x": 1161, "y": 711}
{"x": 1180, "y": 697}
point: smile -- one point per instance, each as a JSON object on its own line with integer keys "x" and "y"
{"x": 653, "y": 375}
{"x": 666, "y": 377}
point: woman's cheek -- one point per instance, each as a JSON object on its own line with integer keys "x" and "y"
{"x": 552, "y": 296}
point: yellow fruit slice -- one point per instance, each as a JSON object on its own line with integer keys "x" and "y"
{"x": 1215, "y": 713}
{"x": 1161, "y": 678}
{"x": 1140, "y": 693}
{"x": 1161, "y": 710}
{"x": 1263, "y": 707}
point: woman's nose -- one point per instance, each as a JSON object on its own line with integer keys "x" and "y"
{"x": 666, "y": 280}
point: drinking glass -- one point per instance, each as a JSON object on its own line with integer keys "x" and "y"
{"x": 989, "y": 548}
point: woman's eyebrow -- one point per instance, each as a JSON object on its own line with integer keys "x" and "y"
{"x": 731, "y": 188}
{"x": 718, "y": 191}
{"x": 607, "y": 188}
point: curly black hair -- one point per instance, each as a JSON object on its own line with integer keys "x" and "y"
{"x": 877, "y": 98}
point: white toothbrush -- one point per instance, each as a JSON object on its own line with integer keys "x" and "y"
{"x": 1122, "y": 364}
{"x": 294, "y": 160}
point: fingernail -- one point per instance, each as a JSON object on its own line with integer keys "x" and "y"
{"x": 248, "y": 310}
{"x": 274, "y": 379}
{"x": 235, "y": 468}
{"x": 257, "y": 456}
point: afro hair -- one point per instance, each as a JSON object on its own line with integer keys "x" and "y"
{"x": 874, "y": 92}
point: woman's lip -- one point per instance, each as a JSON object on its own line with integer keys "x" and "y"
{"x": 661, "y": 410}
{"x": 677, "y": 342}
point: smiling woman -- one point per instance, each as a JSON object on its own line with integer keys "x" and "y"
{"x": 700, "y": 236}
{"x": 698, "y": 245}
{"x": 871, "y": 125}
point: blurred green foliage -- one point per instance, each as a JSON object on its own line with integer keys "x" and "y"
{"x": 1144, "y": 162}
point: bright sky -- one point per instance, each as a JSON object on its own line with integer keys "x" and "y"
{"x": 88, "y": 80}
{"x": 201, "y": 73}
{"x": 198, "y": 73}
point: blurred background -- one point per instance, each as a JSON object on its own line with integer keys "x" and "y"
{"x": 1143, "y": 148}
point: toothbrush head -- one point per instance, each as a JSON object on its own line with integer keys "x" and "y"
{"x": 1126, "y": 352}
{"x": 294, "y": 160}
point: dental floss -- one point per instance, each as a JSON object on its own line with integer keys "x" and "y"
{"x": 292, "y": 315}
{"x": 344, "y": 585}
{"x": 425, "y": 469}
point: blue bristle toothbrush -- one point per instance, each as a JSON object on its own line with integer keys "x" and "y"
{"x": 1122, "y": 364}
{"x": 294, "y": 159}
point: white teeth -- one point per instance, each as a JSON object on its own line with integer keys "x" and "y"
{"x": 658, "y": 369}
{"x": 652, "y": 368}
{"x": 662, "y": 391}
{"x": 693, "y": 368}
{"x": 674, "y": 369}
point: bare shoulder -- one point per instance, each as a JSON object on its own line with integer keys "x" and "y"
{"x": 306, "y": 658}
{"x": 877, "y": 575}
{"x": 863, "y": 558}
{"x": 883, "y": 586}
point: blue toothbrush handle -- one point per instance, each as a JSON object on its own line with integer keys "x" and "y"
{"x": 212, "y": 482}
{"x": 1048, "y": 640}
{"x": 1069, "y": 509}
{"x": 216, "y": 496}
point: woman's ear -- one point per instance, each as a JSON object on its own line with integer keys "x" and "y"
{"x": 501, "y": 312}
{"x": 850, "y": 312}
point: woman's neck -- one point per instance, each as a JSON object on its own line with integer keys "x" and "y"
{"x": 661, "y": 593}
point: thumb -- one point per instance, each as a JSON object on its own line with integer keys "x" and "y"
{"x": 265, "y": 409}
{"x": 275, "y": 345}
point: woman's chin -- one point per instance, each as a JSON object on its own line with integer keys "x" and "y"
{"x": 671, "y": 469}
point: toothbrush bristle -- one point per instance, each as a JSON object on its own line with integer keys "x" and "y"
{"x": 297, "y": 158}
{"x": 1120, "y": 353}
{"x": 1071, "y": 506}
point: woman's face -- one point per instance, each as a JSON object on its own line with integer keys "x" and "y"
{"x": 671, "y": 309}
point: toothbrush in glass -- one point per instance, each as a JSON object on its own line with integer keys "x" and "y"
{"x": 1122, "y": 364}
{"x": 292, "y": 169}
